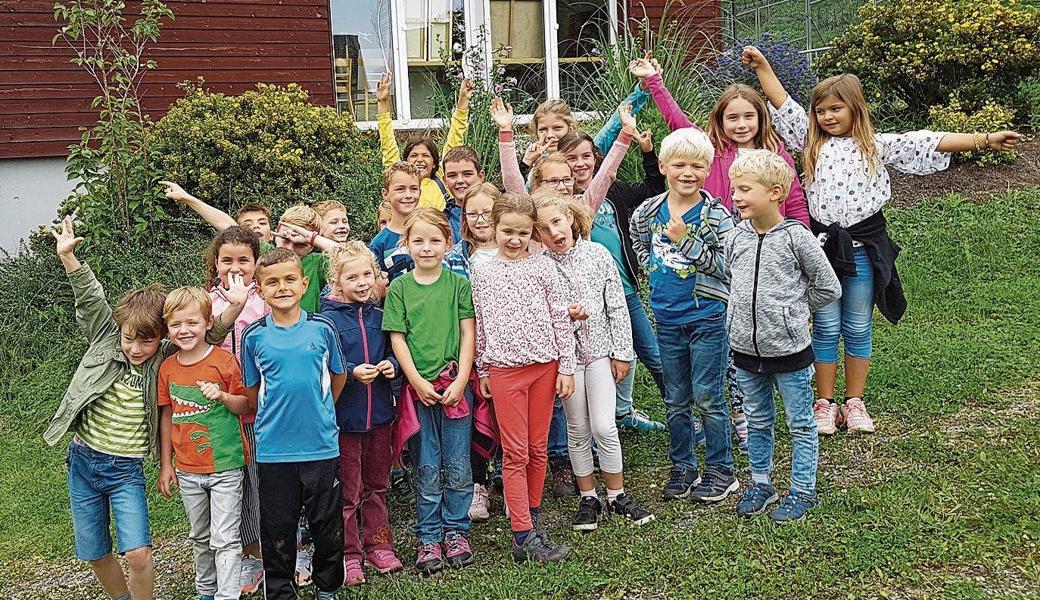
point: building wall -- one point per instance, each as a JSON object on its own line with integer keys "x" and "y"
{"x": 30, "y": 191}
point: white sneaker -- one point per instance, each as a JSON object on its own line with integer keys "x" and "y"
{"x": 252, "y": 575}
{"x": 826, "y": 414}
{"x": 304, "y": 557}
{"x": 478, "y": 509}
{"x": 855, "y": 416}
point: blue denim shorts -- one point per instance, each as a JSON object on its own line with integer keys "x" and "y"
{"x": 103, "y": 486}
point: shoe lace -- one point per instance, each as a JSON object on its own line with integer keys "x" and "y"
{"x": 458, "y": 544}
{"x": 427, "y": 551}
{"x": 856, "y": 410}
{"x": 676, "y": 476}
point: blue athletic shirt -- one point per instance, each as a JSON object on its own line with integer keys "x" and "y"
{"x": 393, "y": 260}
{"x": 673, "y": 276}
{"x": 296, "y": 414}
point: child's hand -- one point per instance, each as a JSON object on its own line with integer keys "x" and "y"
{"x": 383, "y": 87}
{"x": 454, "y": 393}
{"x": 427, "y": 395}
{"x": 365, "y": 373}
{"x": 564, "y": 386}
{"x": 237, "y": 292}
{"x": 211, "y": 391}
{"x": 66, "y": 237}
{"x": 675, "y": 229}
{"x": 753, "y": 58}
{"x": 167, "y": 480}
{"x": 466, "y": 89}
{"x": 502, "y": 114}
{"x": 295, "y": 234}
{"x": 535, "y": 150}
{"x": 387, "y": 369}
{"x": 657, "y": 66}
{"x": 619, "y": 368}
{"x": 628, "y": 120}
{"x": 1003, "y": 140}
{"x": 175, "y": 192}
{"x": 641, "y": 68}
{"x": 577, "y": 312}
{"x": 645, "y": 140}
{"x": 485, "y": 386}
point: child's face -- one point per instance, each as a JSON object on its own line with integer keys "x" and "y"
{"x": 685, "y": 175}
{"x": 740, "y": 122}
{"x": 335, "y": 225}
{"x": 556, "y": 177}
{"x": 188, "y": 327}
{"x": 383, "y": 214}
{"x": 356, "y": 280}
{"x": 258, "y": 222}
{"x": 753, "y": 199}
{"x": 550, "y": 129}
{"x": 478, "y": 218}
{"x": 513, "y": 234}
{"x": 136, "y": 348}
{"x": 282, "y": 240}
{"x": 461, "y": 175}
{"x": 583, "y": 163}
{"x": 427, "y": 245}
{"x": 422, "y": 158}
{"x": 555, "y": 229}
{"x": 283, "y": 285}
{"x": 834, "y": 116}
{"x": 403, "y": 194}
{"x": 235, "y": 259}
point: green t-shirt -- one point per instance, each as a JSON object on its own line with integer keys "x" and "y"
{"x": 117, "y": 423}
{"x": 428, "y": 316}
{"x": 316, "y": 269}
{"x": 264, "y": 247}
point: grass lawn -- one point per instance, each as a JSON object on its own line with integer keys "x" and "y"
{"x": 943, "y": 501}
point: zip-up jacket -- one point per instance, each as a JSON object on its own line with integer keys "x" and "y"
{"x": 777, "y": 279}
{"x": 360, "y": 407}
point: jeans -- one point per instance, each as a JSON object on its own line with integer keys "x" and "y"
{"x": 364, "y": 475}
{"x": 213, "y": 503}
{"x": 442, "y": 443}
{"x": 760, "y": 409}
{"x": 695, "y": 356}
{"x": 558, "y": 431}
{"x": 645, "y": 342}
{"x": 849, "y": 317}
{"x": 100, "y": 483}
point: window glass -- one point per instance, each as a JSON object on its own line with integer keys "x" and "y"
{"x": 362, "y": 50}
{"x": 519, "y": 26}
{"x": 584, "y": 25}
{"x": 433, "y": 33}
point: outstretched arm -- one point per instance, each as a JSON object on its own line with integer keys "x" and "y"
{"x": 673, "y": 115}
{"x": 753, "y": 57}
{"x": 219, "y": 219}
{"x": 597, "y": 189}
{"x": 502, "y": 114}
{"x": 608, "y": 134}
{"x": 966, "y": 142}
{"x": 459, "y": 122}
{"x": 387, "y": 142}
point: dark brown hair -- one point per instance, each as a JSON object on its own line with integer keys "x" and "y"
{"x": 430, "y": 146}
{"x": 247, "y": 208}
{"x": 462, "y": 154}
{"x": 276, "y": 256}
{"x": 232, "y": 235}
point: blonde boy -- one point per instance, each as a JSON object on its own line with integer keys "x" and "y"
{"x": 298, "y": 231}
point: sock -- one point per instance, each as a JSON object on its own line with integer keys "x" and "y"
{"x": 830, "y": 400}
{"x": 613, "y": 494}
{"x": 589, "y": 494}
{"x": 763, "y": 479}
{"x": 519, "y": 537}
{"x": 534, "y": 512}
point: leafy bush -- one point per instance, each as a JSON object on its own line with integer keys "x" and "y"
{"x": 789, "y": 63}
{"x": 269, "y": 146}
{"x": 912, "y": 54}
{"x": 1029, "y": 97}
{"x": 954, "y": 117}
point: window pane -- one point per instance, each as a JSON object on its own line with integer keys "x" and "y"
{"x": 433, "y": 33}
{"x": 362, "y": 51}
{"x": 583, "y": 25}
{"x": 518, "y": 25}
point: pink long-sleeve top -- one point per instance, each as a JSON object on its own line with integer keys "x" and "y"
{"x": 521, "y": 311}
{"x": 718, "y": 184}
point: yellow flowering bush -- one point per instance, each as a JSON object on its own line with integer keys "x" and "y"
{"x": 953, "y": 117}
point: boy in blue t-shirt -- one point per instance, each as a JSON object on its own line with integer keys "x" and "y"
{"x": 401, "y": 188}
{"x": 292, "y": 366}
{"x": 678, "y": 238}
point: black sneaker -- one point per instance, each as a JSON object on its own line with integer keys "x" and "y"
{"x": 630, "y": 509}
{"x": 563, "y": 484}
{"x": 587, "y": 517}
{"x": 680, "y": 481}
{"x": 718, "y": 482}
{"x": 539, "y": 548}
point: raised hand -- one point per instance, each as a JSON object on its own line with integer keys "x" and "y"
{"x": 641, "y": 68}
{"x": 65, "y": 235}
{"x": 753, "y": 58}
{"x": 175, "y": 192}
{"x": 1003, "y": 140}
{"x": 645, "y": 140}
{"x": 536, "y": 148}
{"x": 502, "y": 114}
{"x": 383, "y": 87}
{"x": 466, "y": 89}
{"x": 237, "y": 291}
{"x": 628, "y": 120}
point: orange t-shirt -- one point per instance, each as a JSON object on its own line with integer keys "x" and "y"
{"x": 207, "y": 437}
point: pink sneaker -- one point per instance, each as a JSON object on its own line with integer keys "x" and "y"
{"x": 457, "y": 551}
{"x": 854, "y": 413}
{"x": 354, "y": 574}
{"x": 429, "y": 559}
{"x": 384, "y": 561}
{"x": 826, "y": 414}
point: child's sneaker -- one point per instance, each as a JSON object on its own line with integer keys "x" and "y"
{"x": 457, "y": 551}
{"x": 206, "y": 597}
{"x": 479, "y": 509}
{"x": 587, "y": 516}
{"x": 698, "y": 434}
{"x": 756, "y": 499}
{"x": 304, "y": 558}
{"x": 638, "y": 421}
{"x": 322, "y": 595}
{"x": 826, "y": 414}
{"x": 794, "y": 507}
{"x": 741, "y": 428}
{"x": 716, "y": 485}
{"x": 383, "y": 561}
{"x": 680, "y": 482}
{"x": 353, "y": 573}
{"x": 539, "y": 548}
{"x": 252, "y": 574}
{"x": 630, "y": 509}
{"x": 854, "y": 414}
{"x": 562, "y": 478}
{"x": 429, "y": 559}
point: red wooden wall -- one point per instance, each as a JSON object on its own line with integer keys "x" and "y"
{"x": 702, "y": 17}
{"x": 233, "y": 44}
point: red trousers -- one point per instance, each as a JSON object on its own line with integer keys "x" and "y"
{"x": 364, "y": 475}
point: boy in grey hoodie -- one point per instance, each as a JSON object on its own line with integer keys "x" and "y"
{"x": 778, "y": 276}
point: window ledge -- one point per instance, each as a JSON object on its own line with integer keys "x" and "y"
{"x": 426, "y": 124}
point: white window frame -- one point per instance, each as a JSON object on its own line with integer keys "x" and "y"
{"x": 474, "y": 11}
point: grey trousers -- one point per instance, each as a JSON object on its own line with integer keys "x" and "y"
{"x": 213, "y": 502}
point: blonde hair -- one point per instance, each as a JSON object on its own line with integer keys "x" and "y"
{"x": 556, "y": 108}
{"x": 688, "y": 143}
{"x": 344, "y": 253}
{"x": 848, "y": 89}
{"x": 326, "y": 206}
{"x": 508, "y": 204}
{"x": 188, "y": 297}
{"x": 301, "y": 215}
{"x": 400, "y": 167}
{"x": 430, "y": 216}
{"x": 140, "y": 312}
{"x": 384, "y": 207}
{"x": 581, "y": 219}
{"x": 768, "y": 168}
{"x": 486, "y": 189}
{"x": 766, "y": 138}
{"x": 556, "y": 158}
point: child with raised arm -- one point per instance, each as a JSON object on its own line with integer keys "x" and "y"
{"x": 200, "y": 397}
{"x": 423, "y": 153}
{"x": 292, "y": 366}
{"x": 255, "y": 217}
{"x": 847, "y": 186}
{"x": 779, "y": 275}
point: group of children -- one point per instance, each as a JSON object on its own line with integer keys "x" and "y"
{"x": 482, "y": 324}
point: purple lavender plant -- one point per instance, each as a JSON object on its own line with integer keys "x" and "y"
{"x": 790, "y": 65}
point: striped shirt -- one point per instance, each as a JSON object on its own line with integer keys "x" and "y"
{"x": 116, "y": 423}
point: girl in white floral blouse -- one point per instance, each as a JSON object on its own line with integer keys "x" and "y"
{"x": 847, "y": 185}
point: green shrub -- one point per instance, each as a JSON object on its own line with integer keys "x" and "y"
{"x": 1029, "y": 97}
{"x": 269, "y": 146}
{"x": 912, "y": 54}
{"x": 954, "y": 117}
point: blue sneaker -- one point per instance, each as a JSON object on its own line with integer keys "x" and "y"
{"x": 756, "y": 499}
{"x": 206, "y": 597}
{"x": 698, "y": 434}
{"x": 638, "y": 421}
{"x": 716, "y": 484}
{"x": 794, "y": 507}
